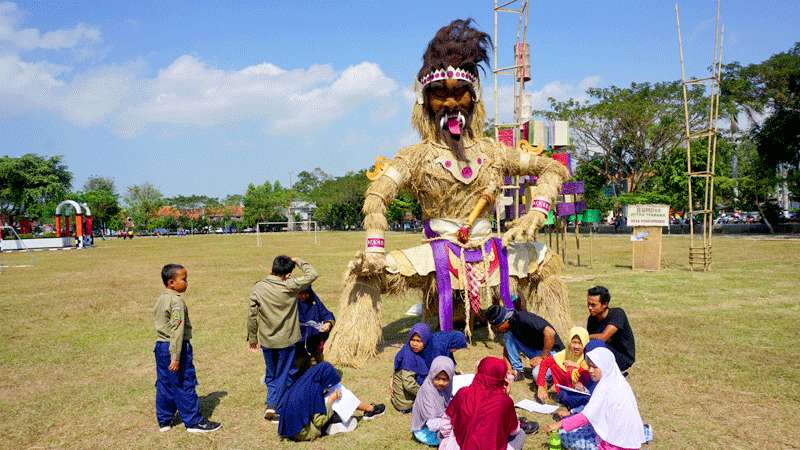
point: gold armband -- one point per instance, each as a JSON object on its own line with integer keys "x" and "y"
{"x": 524, "y": 161}
{"x": 394, "y": 175}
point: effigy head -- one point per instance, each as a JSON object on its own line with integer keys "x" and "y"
{"x": 448, "y": 88}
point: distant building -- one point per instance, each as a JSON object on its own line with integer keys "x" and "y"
{"x": 301, "y": 212}
{"x": 168, "y": 211}
{"x": 235, "y": 212}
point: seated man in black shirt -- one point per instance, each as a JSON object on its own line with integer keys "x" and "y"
{"x": 611, "y": 326}
{"x": 525, "y": 333}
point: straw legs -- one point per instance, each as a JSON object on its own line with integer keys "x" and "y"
{"x": 358, "y": 332}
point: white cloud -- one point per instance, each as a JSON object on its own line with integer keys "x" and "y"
{"x": 186, "y": 93}
{"x": 356, "y": 85}
{"x": 539, "y": 97}
{"x": 25, "y": 85}
{"x": 11, "y": 35}
{"x": 189, "y": 92}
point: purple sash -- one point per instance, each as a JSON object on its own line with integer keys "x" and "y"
{"x": 442, "y": 265}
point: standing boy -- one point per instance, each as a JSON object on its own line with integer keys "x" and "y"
{"x": 524, "y": 332}
{"x": 175, "y": 374}
{"x": 611, "y": 326}
{"x": 273, "y": 323}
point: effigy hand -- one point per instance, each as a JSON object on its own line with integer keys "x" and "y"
{"x": 366, "y": 264}
{"x": 525, "y": 228}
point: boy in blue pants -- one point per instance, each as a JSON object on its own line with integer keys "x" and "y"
{"x": 175, "y": 374}
{"x": 273, "y": 324}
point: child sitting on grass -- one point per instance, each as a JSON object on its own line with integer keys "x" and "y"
{"x": 432, "y": 399}
{"x": 313, "y": 313}
{"x": 611, "y": 419}
{"x": 482, "y": 415}
{"x": 306, "y": 411}
{"x": 175, "y": 374}
{"x": 413, "y": 360}
{"x": 566, "y": 366}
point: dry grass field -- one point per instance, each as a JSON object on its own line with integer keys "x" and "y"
{"x": 716, "y": 366}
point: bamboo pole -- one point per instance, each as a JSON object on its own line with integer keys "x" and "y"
{"x": 578, "y": 239}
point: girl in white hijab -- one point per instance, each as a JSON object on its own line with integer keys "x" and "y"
{"x": 612, "y": 411}
{"x": 432, "y": 400}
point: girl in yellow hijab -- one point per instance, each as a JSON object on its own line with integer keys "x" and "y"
{"x": 565, "y": 366}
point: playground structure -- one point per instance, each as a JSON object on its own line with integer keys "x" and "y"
{"x": 700, "y": 251}
{"x": 83, "y": 221}
{"x": 78, "y": 235}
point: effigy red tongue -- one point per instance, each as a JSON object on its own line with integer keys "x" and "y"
{"x": 454, "y": 125}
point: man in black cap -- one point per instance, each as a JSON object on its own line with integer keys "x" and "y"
{"x": 523, "y": 333}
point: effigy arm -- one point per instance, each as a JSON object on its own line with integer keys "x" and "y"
{"x": 551, "y": 174}
{"x": 388, "y": 178}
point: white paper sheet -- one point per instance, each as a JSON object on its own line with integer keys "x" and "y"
{"x": 346, "y": 405}
{"x": 314, "y": 324}
{"x": 415, "y": 310}
{"x": 569, "y": 389}
{"x": 532, "y": 406}
{"x": 462, "y": 380}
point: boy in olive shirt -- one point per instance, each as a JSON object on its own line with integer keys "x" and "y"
{"x": 273, "y": 324}
{"x": 175, "y": 374}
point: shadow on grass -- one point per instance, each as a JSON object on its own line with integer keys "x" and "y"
{"x": 209, "y": 402}
{"x": 397, "y": 331}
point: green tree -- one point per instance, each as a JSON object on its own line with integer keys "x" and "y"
{"x": 771, "y": 87}
{"x": 629, "y": 129}
{"x": 31, "y": 185}
{"x": 264, "y": 203}
{"x": 595, "y": 180}
{"x": 100, "y": 194}
{"x": 233, "y": 200}
{"x": 307, "y": 181}
{"x": 143, "y": 202}
{"x": 403, "y": 203}
{"x": 339, "y": 201}
{"x": 193, "y": 201}
{"x": 98, "y": 183}
{"x": 167, "y": 222}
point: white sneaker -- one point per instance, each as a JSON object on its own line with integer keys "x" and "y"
{"x": 165, "y": 428}
{"x": 344, "y": 427}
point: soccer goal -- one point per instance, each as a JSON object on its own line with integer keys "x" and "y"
{"x": 18, "y": 244}
{"x": 307, "y": 226}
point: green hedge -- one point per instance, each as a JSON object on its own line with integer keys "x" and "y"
{"x": 8, "y": 235}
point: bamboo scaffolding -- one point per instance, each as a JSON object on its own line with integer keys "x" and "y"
{"x": 700, "y": 254}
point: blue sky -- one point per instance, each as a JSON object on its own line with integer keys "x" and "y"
{"x": 206, "y": 97}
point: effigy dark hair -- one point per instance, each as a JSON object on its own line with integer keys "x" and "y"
{"x": 459, "y": 45}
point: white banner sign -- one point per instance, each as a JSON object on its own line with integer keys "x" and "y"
{"x": 648, "y": 215}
